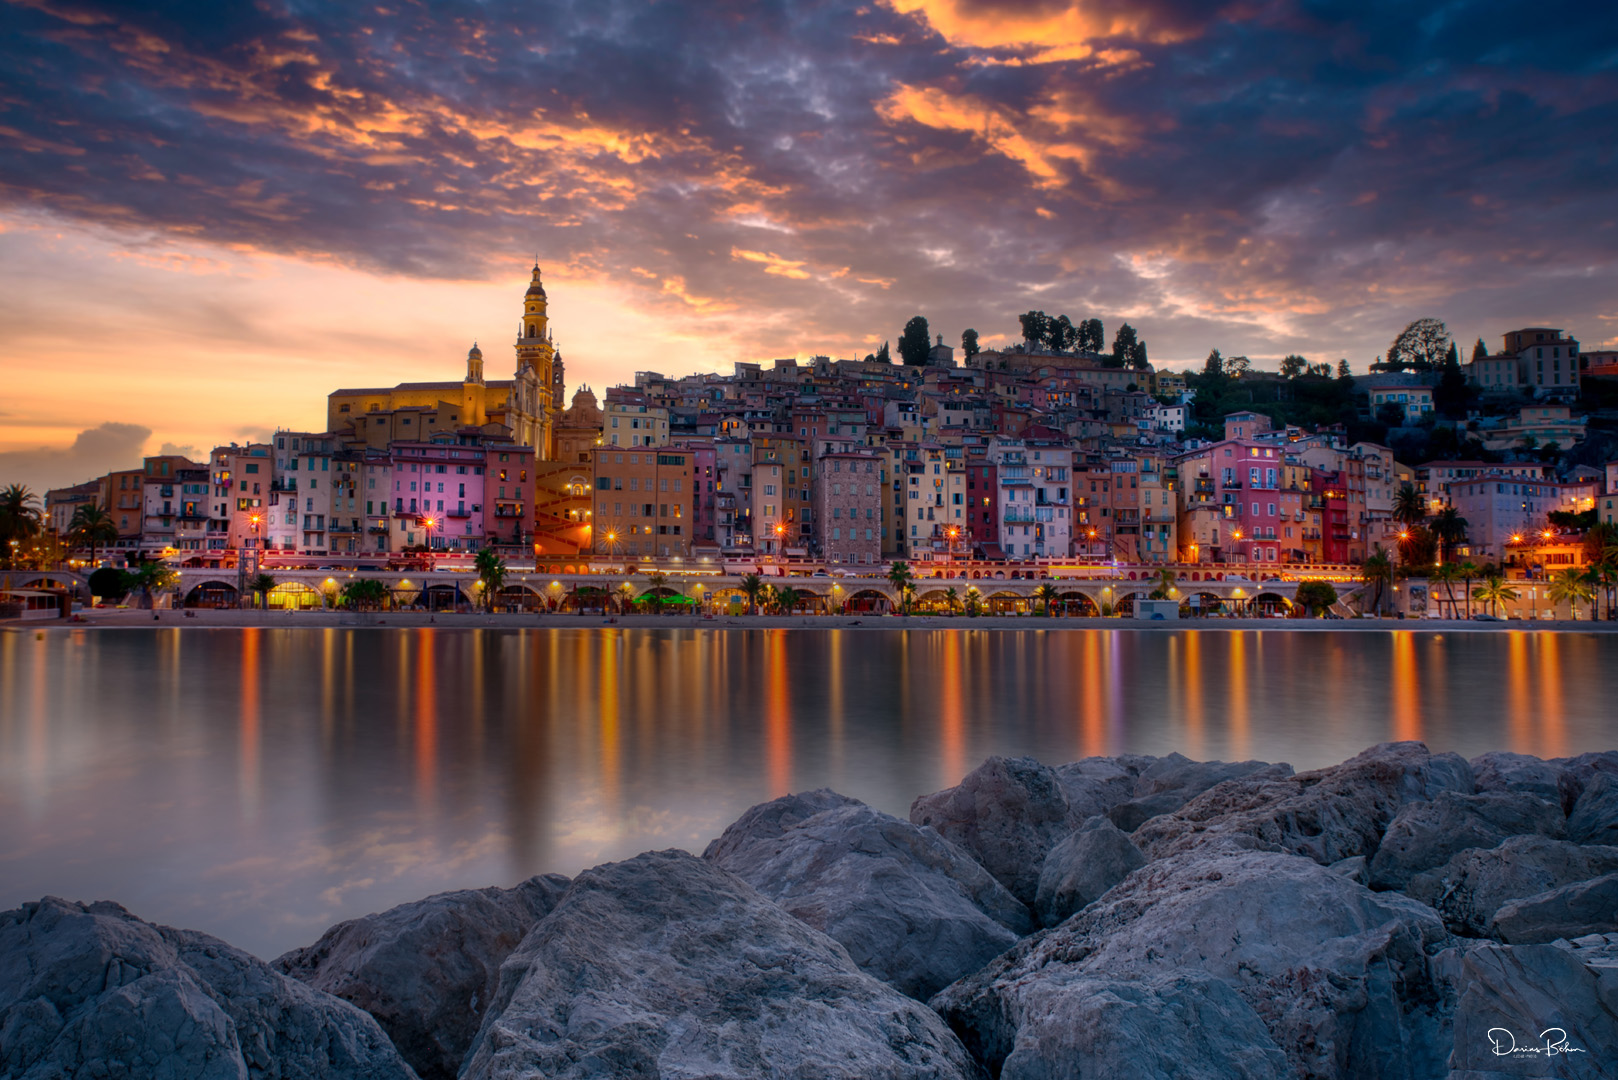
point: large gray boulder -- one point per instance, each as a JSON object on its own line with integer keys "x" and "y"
{"x": 426, "y": 970}
{"x": 1187, "y": 1026}
{"x": 1168, "y": 783}
{"x": 90, "y": 990}
{"x": 1425, "y": 835}
{"x": 1007, "y": 813}
{"x": 1473, "y": 885}
{"x": 1095, "y": 785}
{"x": 1570, "y": 911}
{"x": 1094, "y": 858}
{"x": 1511, "y": 999}
{"x": 1327, "y": 815}
{"x": 910, "y": 907}
{"x": 1336, "y": 973}
{"x": 666, "y": 965}
{"x": 1594, "y": 819}
{"x": 1503, "y": 772}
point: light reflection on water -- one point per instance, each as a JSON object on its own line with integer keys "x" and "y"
{"x": 263, "y": 783}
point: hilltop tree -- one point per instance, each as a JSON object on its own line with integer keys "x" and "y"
{"x": 1215, "y": 364}
{"x": 1421, "y": 346}
{"x": 1060, "y": 333}
{"x": 1092, "y": 338}
{"x": 1480, "y": 351}
{"x": 1452, "y": 394}
{"x": 882, "y": 355}
{"x": 1293, "y": 365}
{"x": 1237, "y": 366}
{"x": 1123, "y": 346}
{"x": 1343, "y": 370}
{"x": 1034, "y": 325}
{"x": 969, "y": 343}
{"x": 915, "y": 341}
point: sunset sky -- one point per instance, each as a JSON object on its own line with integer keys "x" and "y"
{"x": 213, "y": 214}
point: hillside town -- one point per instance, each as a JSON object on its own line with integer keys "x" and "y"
{"x": 1054, "y": 451}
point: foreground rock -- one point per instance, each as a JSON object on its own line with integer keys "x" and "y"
{"x": 1472, "y": 886}
{"x": 1334, "y": 974}
{"x": 1522, "y": 774}
{"x": 1424, "y": 835}
{"x": 910, "y": 907}
{"x": 1594, "y": 819}
{"x": 1007, "y": 813}
{"x": 1168, "y": 783}
{"x": 1081, "y": 868}
{"x": 1326, "y": 815}
{"x": 666, "y": 965}
{"x": 1530, "y": 996}
{"x": 92, "y": 991}
{"x": 426, "y": 970}
{"x": 1570, "y": 911}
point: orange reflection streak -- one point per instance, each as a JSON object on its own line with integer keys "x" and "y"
{"x": 1517, "y": 711}
{"x": 835, "y": 706}
{"x": 777, "y": 713}
{"x": 1553, "y": 735}
{"x": 610, "y": 749}
{"x": 1406, "y": 688}
{"x": 426, "y": 722}
{"x": 248, "y": 767}
{"x": 1193, "y": 693}
{"x": 949, "y": 705}
{"x": 1238, "y": 674}
{"x": 1091, "y": 721}
{"x": 328, "y": 685}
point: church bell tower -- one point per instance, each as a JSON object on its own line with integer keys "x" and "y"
{"x": 531, "y": 391}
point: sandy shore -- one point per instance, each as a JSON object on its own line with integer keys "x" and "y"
{"x": 205, "y": 619}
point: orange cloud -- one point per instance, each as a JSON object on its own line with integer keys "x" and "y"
{"x": 941, "y": 110}
{"x": 773, "y": 264}
{"x": 1045, "y": 32}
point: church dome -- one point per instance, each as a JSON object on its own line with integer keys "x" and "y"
{"x": 474, "y": 353}
{"x": 535, "y": 287}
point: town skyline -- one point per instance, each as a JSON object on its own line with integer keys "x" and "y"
{"x": 211, "y": 240}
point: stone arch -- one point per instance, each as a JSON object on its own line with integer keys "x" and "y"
{"x": 441, "y": 596}
{"x": 521, "y": 596}
{"x": 1076, "y": 604}
{"x": 295, "y": 596}
{"x": 1124, "y": 603}
{"x": 867, "y": 601}
{"x": 1210, "y": 603}
{"x": 1269, "y": 601}
{"x": 211, "y": 594}
{"x": 1006, "y": 602}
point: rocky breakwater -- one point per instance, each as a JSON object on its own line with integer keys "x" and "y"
{"x": 1404, "y": 914}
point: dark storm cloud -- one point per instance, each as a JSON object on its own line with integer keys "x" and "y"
{"x": 1260, "y": 176}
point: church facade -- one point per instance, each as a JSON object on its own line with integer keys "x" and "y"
{"x": 526, "y": 406}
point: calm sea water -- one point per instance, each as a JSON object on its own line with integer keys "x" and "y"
{"x": 263, "y": 784}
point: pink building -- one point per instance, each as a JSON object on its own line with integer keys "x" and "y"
{"x": 1243, "y": 479}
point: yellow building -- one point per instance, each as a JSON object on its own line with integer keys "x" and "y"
{"x": 526, "y": 405}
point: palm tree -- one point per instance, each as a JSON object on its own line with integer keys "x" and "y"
{"x": 1045, "y": 594}
{"x": 1447, "y": 574}
{"x": 1408, "y": 508}
{"x": 655, "y": 582}
{"x": 1570, "y": 585}
{"x": 1377, "y": 571}
{"x": 1166, "y": 582}
{"x": 1450, "y": 528}
{"x": 364, "y": 593}
{"x": 491, "y": 570}
{"x": 1469, "y": 570}
{"x": 92, "y": 526}
{"x": 261, "y": 585}
{"x": 1604, "y": 574}
{"x": 20, "y": 517}
{"x": 752, "y": 587}
{"x": 1494, "y": 591}
{"x": 899, "y": 576}
{"x": 952, "y": 600}
{"x": 974, "y": 601}
{"x": 787, "y": 599}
